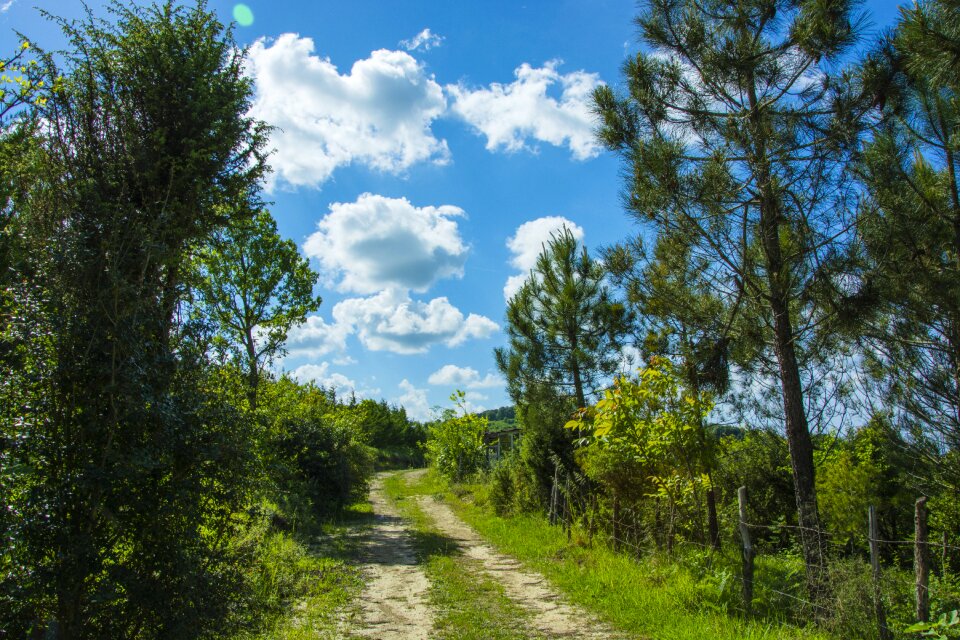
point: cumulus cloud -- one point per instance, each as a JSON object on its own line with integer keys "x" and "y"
{"x": 511, "y": 114}
{"x": 468, "y": 377}
{"x": 392, "y": 321}
{"x": 321, "y": 375}
{"x": 6, "y": 6}
{"x": 379, "y": 242}
{"x": 425, "y": 40}
{"x": 415, "y": 401}
{"x": 527, "y": 244}
{"x": 315, "y": 338}
{"x": 378, "y": 115}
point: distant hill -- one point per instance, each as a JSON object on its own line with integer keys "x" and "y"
{"x": 503, "y": 413}
{"x": 500, "y": 419}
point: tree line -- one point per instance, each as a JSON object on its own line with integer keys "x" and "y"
{"x": 151, "y": 464}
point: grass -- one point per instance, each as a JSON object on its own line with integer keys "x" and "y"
{"x": 308, "y": 581}
{"x": 654, "y": 597}
{"x": 469, "y": 605}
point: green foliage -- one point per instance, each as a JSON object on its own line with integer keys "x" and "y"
{"x": 906, "y": 310}
{"x": 512, "y": 487}
{"x": 565, "y": 328}
{"x": 657, "y": 423}
{"x": 544, "y": 442}
{"x": 314, "y": 449}
{"x": 126, "y": 460}
{"x": 455, "y": 443}
{"x": 253, "y": 286}
{"x": 945, "y": 627}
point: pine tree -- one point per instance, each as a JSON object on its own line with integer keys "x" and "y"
{"x": 565, "y": 329}
{"x": 910, "y": 229}
{"x": 735, "y": 135}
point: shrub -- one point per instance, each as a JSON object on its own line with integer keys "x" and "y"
{"x": 455, "y": 443}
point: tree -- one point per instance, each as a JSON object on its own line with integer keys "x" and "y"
{"x": 735, "y": 135}
{"x": 565, "y": 329}
{"x": 254, "y": 286}
{"x": 908, "y": 307}
{"x": 128, "y": 461}
{"x": 655, "y": 423}
{"x": 679, "y": 317}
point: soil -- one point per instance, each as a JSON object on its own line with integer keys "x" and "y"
{"x": 394, "y": 604}
{"x": 551, "y": 615}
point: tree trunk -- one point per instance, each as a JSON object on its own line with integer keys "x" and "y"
{"x": 797, "y": 428}
{"x": 253, "y": 375}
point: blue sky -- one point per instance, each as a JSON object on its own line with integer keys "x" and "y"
{"x": 424, "y": 151}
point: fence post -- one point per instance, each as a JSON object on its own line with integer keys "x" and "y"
{"x": 553, "y": 494}
{"x": 567, "y": 516}
{"x": 747, "y": 552}
{"x": 921, "y": 565}
{"x": 874, "y": 535}
{"x": 616, "y": 521}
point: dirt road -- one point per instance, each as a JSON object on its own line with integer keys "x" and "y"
{"x": 395, "y": 603}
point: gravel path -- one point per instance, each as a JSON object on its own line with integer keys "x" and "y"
{"x": 395, "y": 602}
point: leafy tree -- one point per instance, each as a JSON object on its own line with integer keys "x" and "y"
{"x": 565, "y": 329}
{"x": 254, "y": 286}
{"x": 655, "y": 423}
{"x": 735, "y": 134}
{"x": 679, "y": 317}
{"x": 128, "y": 460}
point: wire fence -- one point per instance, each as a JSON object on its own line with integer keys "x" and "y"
{"x": 575, "y": 503}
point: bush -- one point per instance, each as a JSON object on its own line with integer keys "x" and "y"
{"x": 455, "y": 443}
{"x": 511, "y": 487}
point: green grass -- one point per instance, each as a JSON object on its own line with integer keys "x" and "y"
{"x": 308, "y": 581}
{"x": 469, "y": 605}
{"x": 654, "y": 597}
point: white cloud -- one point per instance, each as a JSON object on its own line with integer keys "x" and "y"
{"x": 509, "y": 115}
{"x": 379, "y": 242}
{"x": 454, "y": 376}
{"x": 415, "y": 401}
{"x": 6, "y": 6}
{"x": 425, "y": 40}
{"x": 527, "y": 244}
{"x": 315, "y": 338}
{"x": 379, "y": 114}
{"x": 344, "y": 361}
{"x": 321, "y": 375}
{"x": 392, "y": 321}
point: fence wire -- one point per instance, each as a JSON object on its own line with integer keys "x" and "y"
{"x": 572, "y": 492}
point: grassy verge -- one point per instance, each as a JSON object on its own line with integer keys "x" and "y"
{"x": 307, "y": 581}
{"x": 469, "y": 605}
{"x": 653, "y": 597}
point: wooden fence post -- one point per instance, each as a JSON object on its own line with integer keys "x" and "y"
{"x": 553, "y": 494}
{"x": 874, "y": 535}
{"x": 747, "y": 552}
{"x": 616, "y": 521}
{"x": 921, "y": 564}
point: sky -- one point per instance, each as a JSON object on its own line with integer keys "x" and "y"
{"x": 422, "y": 153}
